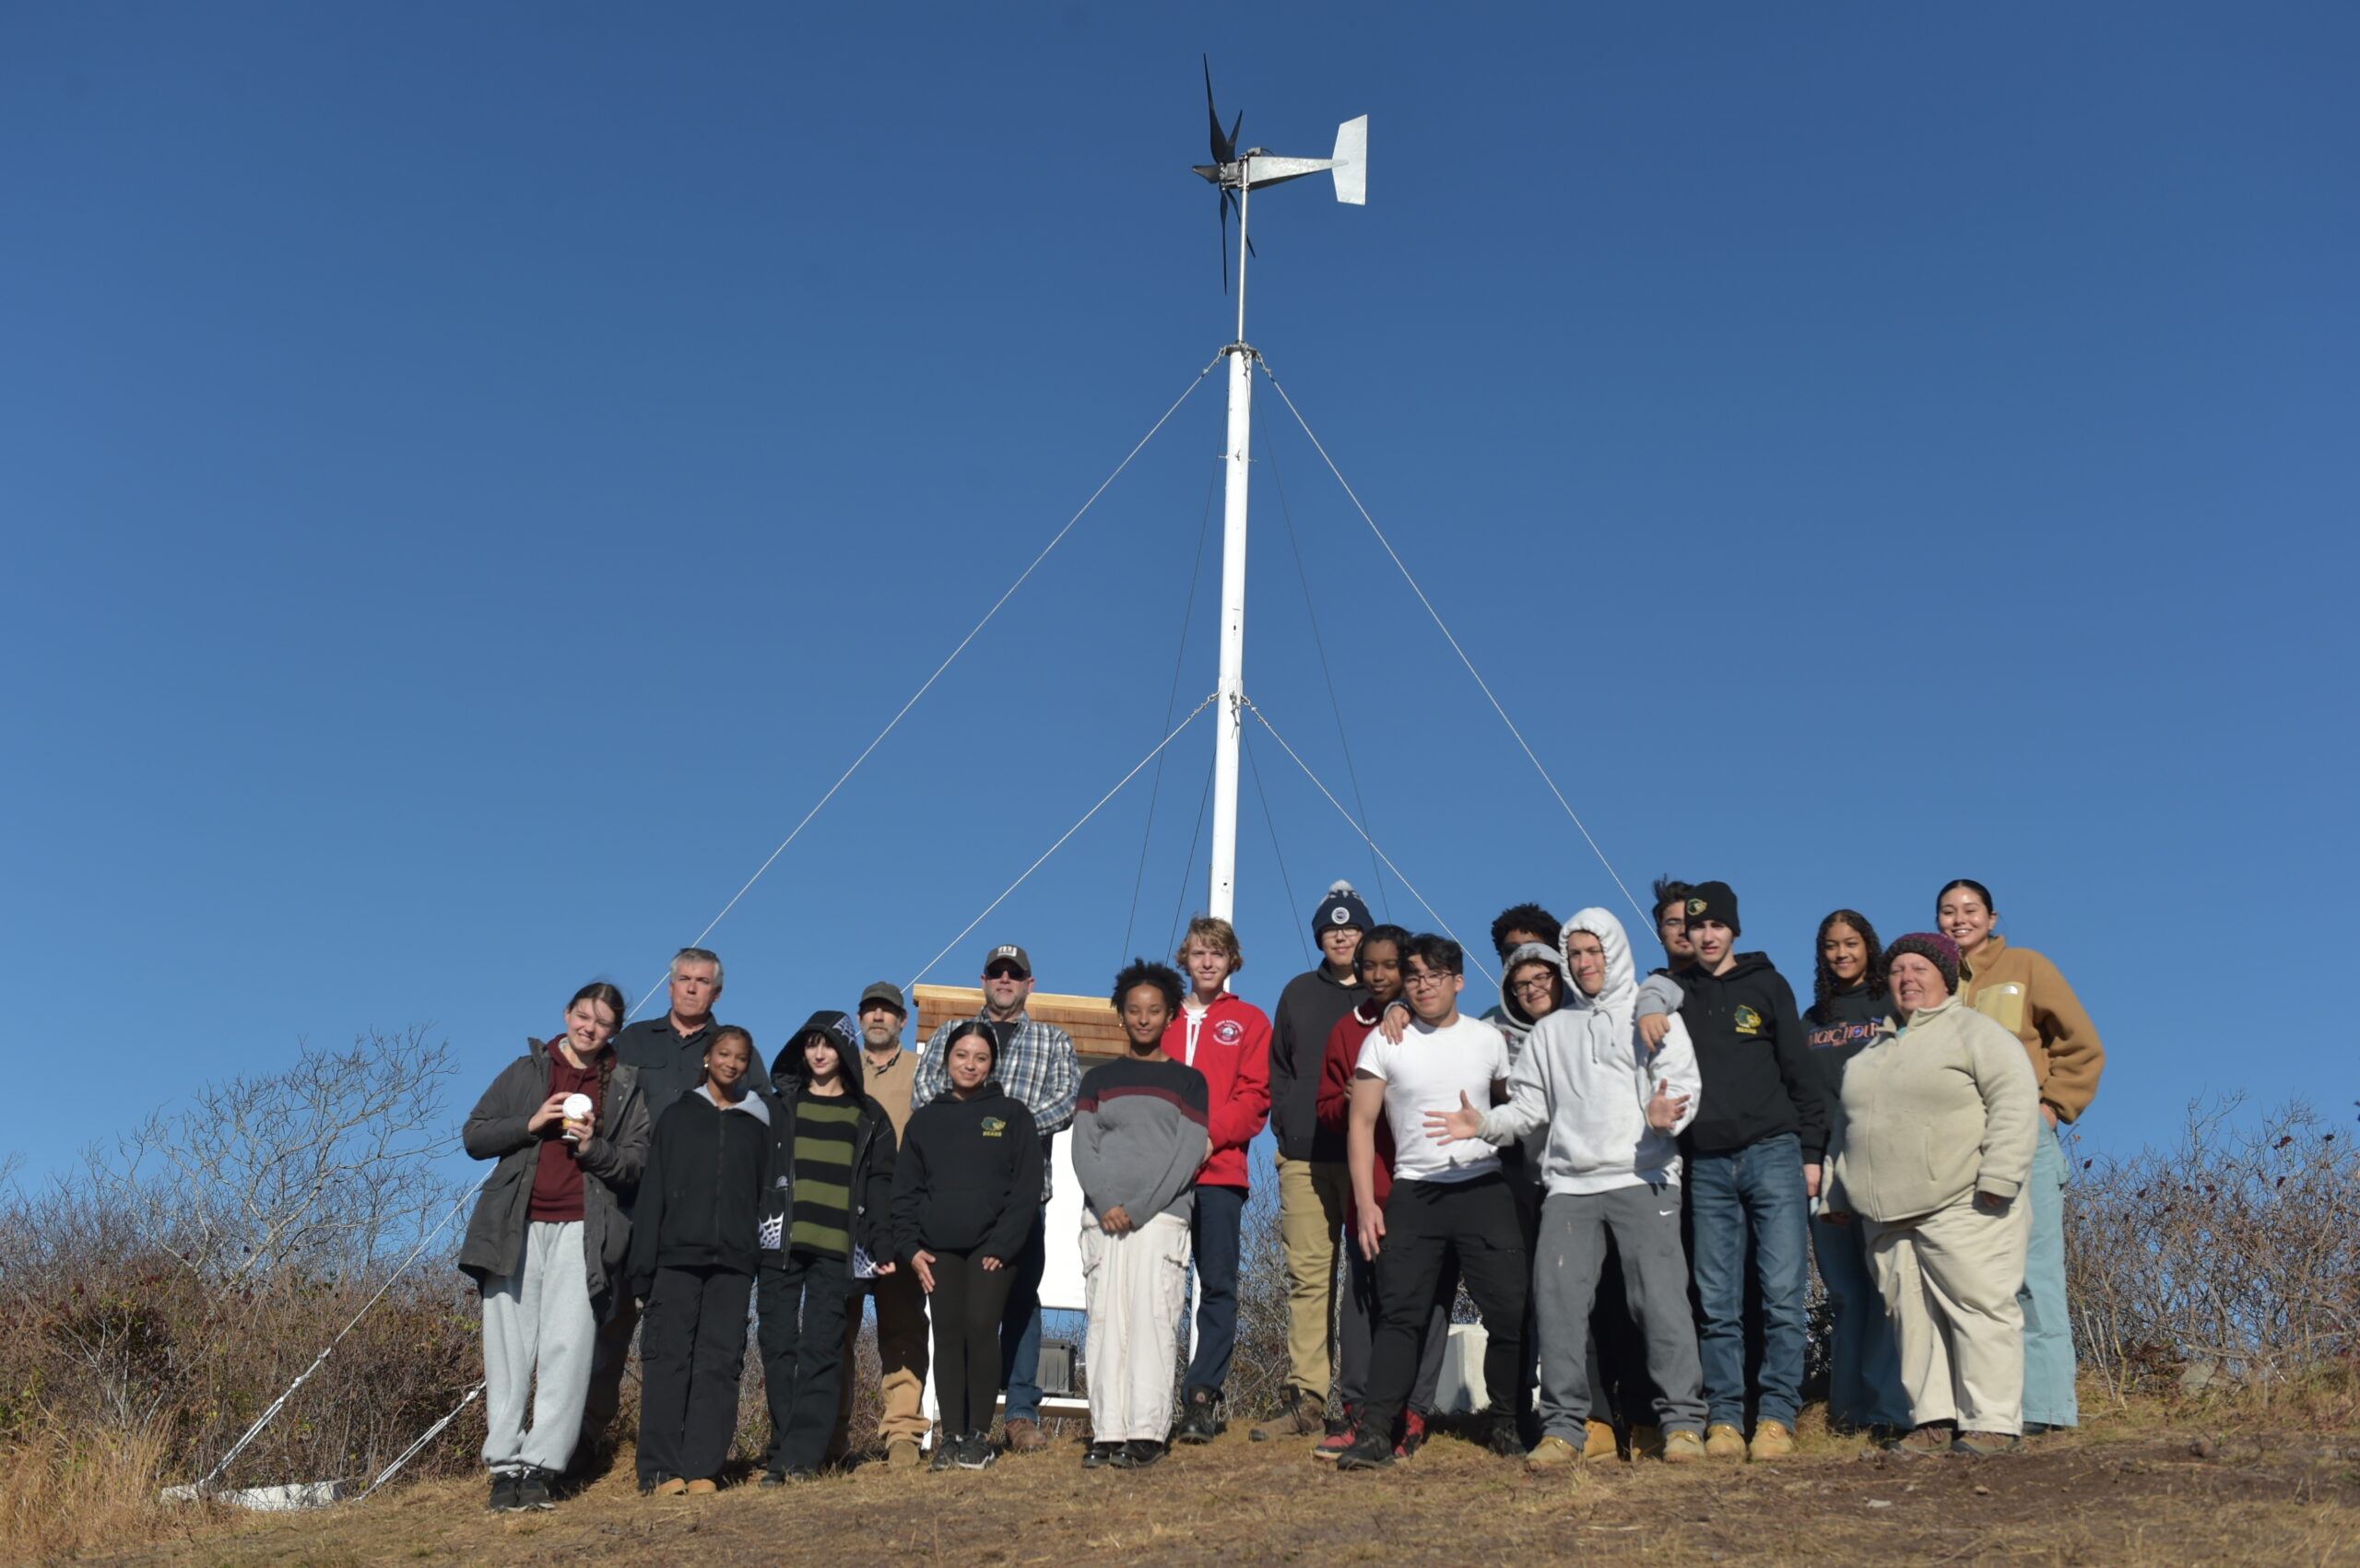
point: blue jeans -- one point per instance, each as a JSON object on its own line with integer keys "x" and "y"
{"x": 1020, "y": 1328}
{"x": 1215, "y": 1231}
{"x": 1754, "y": 1195}
{"x": 2050, "y": 1395}
{"x": 1864, "y": 1387}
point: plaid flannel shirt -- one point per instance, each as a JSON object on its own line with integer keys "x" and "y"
{"x": 1036, "y": 1065}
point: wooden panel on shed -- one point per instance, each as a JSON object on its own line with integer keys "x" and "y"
{"x": 1097, "y": 1031}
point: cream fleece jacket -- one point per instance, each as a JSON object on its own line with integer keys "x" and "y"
{"x": 1934, "y": 1109}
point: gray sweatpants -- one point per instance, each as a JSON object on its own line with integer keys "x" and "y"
{"x": 537, "y": 1319}
{"x": 1646, "y": 1225}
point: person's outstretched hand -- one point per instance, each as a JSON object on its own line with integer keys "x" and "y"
{"x": 1455, "y": 1127}
{"x": 1666, "y": 1108}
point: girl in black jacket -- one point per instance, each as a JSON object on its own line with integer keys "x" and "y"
{"x": 692, "y": 1260}
{"x": 964, "y": 1201}
{"x": 1864, "y": 1388}
{"x": 823, "y": 1219}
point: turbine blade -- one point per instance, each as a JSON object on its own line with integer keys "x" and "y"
{"x": 1223, "y": 195}
{"x": 1223, "y": 148}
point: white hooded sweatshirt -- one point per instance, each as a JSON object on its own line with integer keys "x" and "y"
{"x": 1585, "y": 1074}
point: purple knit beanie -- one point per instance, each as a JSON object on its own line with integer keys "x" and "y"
{"x": 1931, "y": 946}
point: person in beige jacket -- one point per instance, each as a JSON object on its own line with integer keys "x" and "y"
{"x": 1932, "y": 1154}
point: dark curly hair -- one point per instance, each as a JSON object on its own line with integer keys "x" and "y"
{"x": 1523, "y": 917}
{"x": 1823, "y": 984}
{"x": 1147, "y": 971}
{"x": 1386, "y": 934}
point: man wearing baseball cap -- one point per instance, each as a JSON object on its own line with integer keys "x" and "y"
{"x": 1037, "y": 1064}
{"x": 887, "y": 1072}
{"x": 1313, "y": 1181}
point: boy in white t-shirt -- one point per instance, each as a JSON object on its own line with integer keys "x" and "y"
{"x": 1448, "y": 1199}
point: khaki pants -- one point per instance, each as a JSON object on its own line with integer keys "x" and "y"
{"x": 1133, "y": 1284}
{"x": 1311, "y": 1213}
{"x": 900, "y": 1358}
{"x": 1949, "y": 1281}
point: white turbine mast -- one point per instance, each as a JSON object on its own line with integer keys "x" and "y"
{"x": 1239, "y": 175}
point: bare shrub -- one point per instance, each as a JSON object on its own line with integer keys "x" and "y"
{"x": 156, "y": 1302}
{"x": 320, "y": 1169}
{"x": 2234, "y": 1253}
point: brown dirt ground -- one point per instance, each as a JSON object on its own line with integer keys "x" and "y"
{"x": 2136, "y": 1488}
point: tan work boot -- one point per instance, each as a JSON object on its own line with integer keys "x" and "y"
{"x": 902, "y": 1454}
{"x": 1552, "y": 1453}
{"x": 1682, "y": 1447}
{"x": 703, "y": 1487}
{"x": 1598, "y": 1440}
{"x": 1299, "y": 1417}
{"x": 1723, "y": 1441}
{"x": 1771, "y": 1441}
{"x": 671, "y": 1486}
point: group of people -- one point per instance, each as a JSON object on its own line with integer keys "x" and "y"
{"x": 1625, "y": 1172}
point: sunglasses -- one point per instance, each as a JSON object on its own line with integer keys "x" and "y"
{"x": 1005, "y": 972}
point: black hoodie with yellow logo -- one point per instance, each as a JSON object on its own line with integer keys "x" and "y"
{"x": 956, "y": 1182}
{"x": 1754, "y": 1060}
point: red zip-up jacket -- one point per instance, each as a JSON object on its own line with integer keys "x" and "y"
{"x": 1336, "y": 1070}
{"x": 1230, "y": 1043}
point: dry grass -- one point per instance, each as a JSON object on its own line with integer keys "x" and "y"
{"x": 2199, "y": 1482}
{"x": 64, "y": 1493}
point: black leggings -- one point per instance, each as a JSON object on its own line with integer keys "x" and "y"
{"x": 966, "y": 1307}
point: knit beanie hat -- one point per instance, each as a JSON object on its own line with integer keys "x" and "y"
{"x": 1340, "y": 908}
{"x": 1712, "y": 901}
{"x": 1931, "y": 946}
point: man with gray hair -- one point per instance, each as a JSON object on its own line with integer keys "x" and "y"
{"x": 669, "y": 1054}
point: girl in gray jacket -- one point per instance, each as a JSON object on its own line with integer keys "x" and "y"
{"x": 547, "y": 1241}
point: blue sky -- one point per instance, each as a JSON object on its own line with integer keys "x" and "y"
{"x": 471, "y": 478}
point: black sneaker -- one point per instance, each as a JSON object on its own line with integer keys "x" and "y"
{"x": 946, "y": 1452}
{"x": 1369, "y": 1451}
{"x": 1141, "y": 1451}
{"x": 978, "y": 1451}
{"x": 1499, "y": 1434}
{"x": 503, "y": 1495}
{"x": 770, "y": 1477}
{"x": 532, "y": 1489}
{"x": 1200, "y": 1419}
{"x": 1100, "y": 1455}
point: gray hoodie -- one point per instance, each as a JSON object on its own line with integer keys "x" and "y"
{"x": 1509, "y": 1016}
{"x": 1585, "y": 1078}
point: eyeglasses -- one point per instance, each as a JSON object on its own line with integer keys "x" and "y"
{"x": 1003, "y": 971}
{"x": 1431, "y": 977}
{"x": 1539, "y": 986}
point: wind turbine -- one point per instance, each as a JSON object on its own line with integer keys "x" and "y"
{"x": 1239, "y": 175}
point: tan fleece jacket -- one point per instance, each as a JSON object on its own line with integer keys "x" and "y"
{"x": 2024, "y": 995}
{"x": 1934, "y": 1109}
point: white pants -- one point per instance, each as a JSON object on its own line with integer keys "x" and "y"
{"x": 537, "y": 1319}
{"x": 1949, "y": 1280}
{"x": 1133, "y": 1284}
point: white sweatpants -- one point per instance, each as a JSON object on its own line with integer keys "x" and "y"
{"x": 538, "y": 1320}
{"x": 1948, "y": 1281}
{"x": 1133, "y": 1284}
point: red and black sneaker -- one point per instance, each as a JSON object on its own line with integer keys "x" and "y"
{"x": 1346, "y": 1432}
{"x": 1411, "y": 1437}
